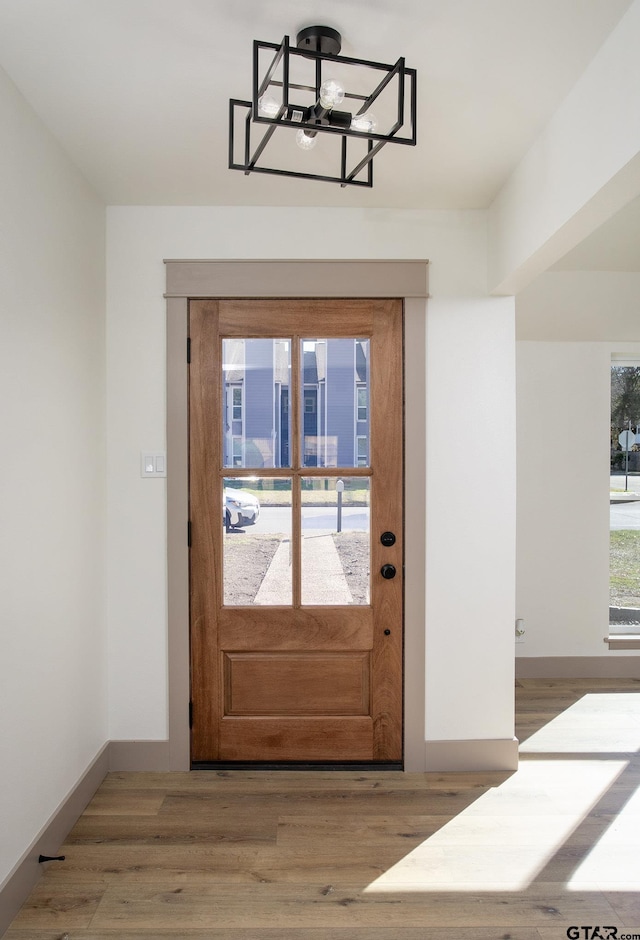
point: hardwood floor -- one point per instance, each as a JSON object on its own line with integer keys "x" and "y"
{"x": 364, "y": 856}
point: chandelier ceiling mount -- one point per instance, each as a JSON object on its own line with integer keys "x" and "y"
{"x": 298, "y": 95}
{"x": 320, "y": 39}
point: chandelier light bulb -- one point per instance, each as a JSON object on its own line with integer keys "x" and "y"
{"x": 268, "y": 106}
{"x": 331, "y": 94}
{"x": 365, "y": 123}
{"x": 305, "y": 141}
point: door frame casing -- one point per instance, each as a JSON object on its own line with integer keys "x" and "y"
{"x": 186, "y": 280}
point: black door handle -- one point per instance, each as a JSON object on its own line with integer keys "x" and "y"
{"x": 388, "y": 572}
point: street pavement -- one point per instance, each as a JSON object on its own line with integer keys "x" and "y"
{"x": 624, "y": 515}
{"x": 624, "y": 511}
{"x": 315, "y": 519}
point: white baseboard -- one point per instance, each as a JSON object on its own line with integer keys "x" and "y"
{"x": 578, "y": 667}
{"x": 456, "y": 756}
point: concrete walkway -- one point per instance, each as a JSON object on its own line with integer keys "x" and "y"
{"x": 323, "y": 580}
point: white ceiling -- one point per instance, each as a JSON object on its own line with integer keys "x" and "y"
{"x": 137, "y": 91}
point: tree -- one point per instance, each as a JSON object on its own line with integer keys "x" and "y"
{"x": 625, "y": 398}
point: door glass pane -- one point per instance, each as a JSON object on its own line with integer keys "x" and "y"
{"x": 335, "y": 541}
{"x": 255, "y": 402}
{"x": 334, "y": 389}
{"x": 257, "y": 541}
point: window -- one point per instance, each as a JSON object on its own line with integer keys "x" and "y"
{"x": 362, "y": 451}
{"x": 363, "y": 402}
{"x": 237, "y": 403}
{"x": 624, "y": 504}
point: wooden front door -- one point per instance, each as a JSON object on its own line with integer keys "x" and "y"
{"x": 295, "y": 411}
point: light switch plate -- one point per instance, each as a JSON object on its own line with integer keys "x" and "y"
{"x": 153, "y": 463}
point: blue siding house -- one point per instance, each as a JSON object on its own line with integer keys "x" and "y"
{"x": 335, "y": 402}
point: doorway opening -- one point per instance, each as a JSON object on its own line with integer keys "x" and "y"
{"x": 297, "y": 564}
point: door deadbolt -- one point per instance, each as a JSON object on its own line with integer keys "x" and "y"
{"x": 388, "y": 539}
{"x": 388, "y": 572}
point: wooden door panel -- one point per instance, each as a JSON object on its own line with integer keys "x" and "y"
{"x": 297, "y": 682}
{"x": 310, "y": 739}
{"x": 303, "y": 317}
{"x": 302, "y": 683}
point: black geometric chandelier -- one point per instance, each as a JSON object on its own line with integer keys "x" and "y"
{"x": 339, "y": 111}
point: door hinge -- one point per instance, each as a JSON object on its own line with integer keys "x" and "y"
{"x": 188, "y": 349}
{"x": 189, "y": 534}
{"x": 190, "y": 714}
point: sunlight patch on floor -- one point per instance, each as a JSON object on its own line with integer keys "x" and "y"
{"x": 504, "y": 840}
{"x": 600, "y": 723}
{"x": 613, "y": 864}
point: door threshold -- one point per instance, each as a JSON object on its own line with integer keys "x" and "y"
{"x": 296, "y": 765}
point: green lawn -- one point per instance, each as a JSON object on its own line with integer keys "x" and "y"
{"x": 351, "y": 497}
{"x": 624, "y": 568}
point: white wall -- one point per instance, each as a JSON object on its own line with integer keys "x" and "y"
{"x": 472, "y": 336}
{"x": 563, "y": 497}
{"x": 580, "y": 306}
{"x": 563, "y": 391}
{"x": 52, "y": 477}
{"x": 470, "y": 516}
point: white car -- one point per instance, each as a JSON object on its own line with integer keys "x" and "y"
{"x": 240, "y": 508}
